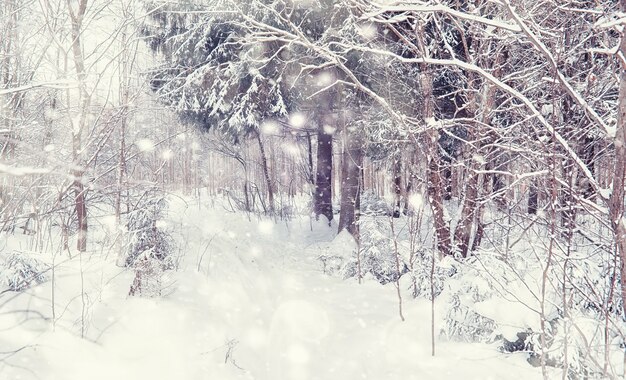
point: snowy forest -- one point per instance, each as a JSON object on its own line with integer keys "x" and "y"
{"x": 312, "y": 189}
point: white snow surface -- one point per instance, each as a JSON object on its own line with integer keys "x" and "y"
{"x": 249, "y": 301}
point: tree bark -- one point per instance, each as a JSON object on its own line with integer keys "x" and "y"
{"x": 463, "y": 231}
{"x": 435, "y": 198}
{"x": 533, "y": 197}
{"x": 411, "y": 182}
{"x": 78, "y": 172}
{"x": 470, "y": 220}
{"x": 310, "y": 172}
{"x": 397, "y": 186}
{"x": 323, "y": 185}
{"x": 350, "y": 187}
{"x": 616, "y": 201}
{"x": 266, "y": 174}
{"x": 435, "y": 185}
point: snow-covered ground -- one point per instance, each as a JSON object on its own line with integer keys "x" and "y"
{"x": 248, "y": 301}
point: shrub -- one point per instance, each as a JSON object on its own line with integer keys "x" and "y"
{"x": 421, "y": 276}
{"x": 372, "y": 204}
{"x": 19, "y": 272}
{"x": 147, "y": 240}
{"x": 377, "y": 253}
{"x": 150, "y": 247}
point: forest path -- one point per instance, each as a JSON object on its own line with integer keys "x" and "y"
{"x": 250, "y": 301}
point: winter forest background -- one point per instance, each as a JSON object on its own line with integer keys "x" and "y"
{"x": 312, "y": 189}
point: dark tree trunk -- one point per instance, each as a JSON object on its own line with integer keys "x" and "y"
{"x": 616, "y": 201}
{"x": 498, "y": 185}
{"x": 81, "y": 211}
{"x": 397, "y": 186}
{"x": 310, "y": 172}
{"x": 533, "y": 197}
{"x": 266, "y": 174}
{"x": 350, "y": 187}
{"x": 410, "y": 183}
{"x": 463, "y": 231}
{"x": 246, "y": 197}
{"x": 588, "y": 156}
{"x": 435, "y": 198}
{"x": 446, "y": 177}
{"x": 323, "y": 185}
{"x": 435, "y": 185}
{"x": 470, "y": 220}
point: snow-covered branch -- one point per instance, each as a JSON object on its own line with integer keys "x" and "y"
{"x": 541, "y": 47}
{"x": 438, "y": 8}
{"x": 59, "y": 85}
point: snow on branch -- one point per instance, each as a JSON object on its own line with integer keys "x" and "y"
{"x": 296, "y": 36}
{"x": 440, "y": 8}
{"x": 55, "y": 85}
{"x": 328, "y": 53}
{"x": 502, "y": 86}
{"x": 519, "y": 26}
{"x": 607, "y": 24}
{"x": 536, "y": 42}
{"x": 22, "y": 171}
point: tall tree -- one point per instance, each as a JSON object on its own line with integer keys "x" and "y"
{"x": 77, "y": 16}
{"x": 616, "y": 200}
{"x": 234, "y": 72}
{"x": 214, "y": 78}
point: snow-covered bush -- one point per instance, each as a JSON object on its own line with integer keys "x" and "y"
{"x": 463, "y": 322}
{"x": 331, "y": 264}
{"x": 20, "y": 272}
{"x": 491, "y": 298}
{"x": 148, "y": 280}
{"x": 147, "y": 238}
{"x": 150, "y": 247}
{"x": 421, "y": 274}
{"x": 372, "y": 204}
{"x": 377, "y": 253}
{"x": 334, "y": 255}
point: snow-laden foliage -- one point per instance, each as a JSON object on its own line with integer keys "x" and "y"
{"x": 373, "y": 205}
{"x": 215, "y": 76}
{"x": 19, "y": 272}
{"x": 148, "y": 281}
{"x": 491, "y": 298}
{"x": 487, "y": 304}
{"x": 148, "y": 240}
{"x": 377, "y": 253}
{"x": 150, "y": 246}
{"x": 334, "y": 256}
{"x": 426, "y": 280}
{"x": 463, "y": 292}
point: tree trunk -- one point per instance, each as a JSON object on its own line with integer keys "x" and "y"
{"x": 497, "y": 185}
{"x": 435, "y": 198}
{"x": 463, "y": 231}
{"x": 397, "y": 186}
{"x": 350, "y": 188}
{"x": 323, "y": 182}
{"x": 471, "y": 213}
{"x": 81, "y": 211}
{"x": 533, "y": 197}
{"x": 411, "y": 182}
{"x": 310, "y": 175}
{"x": 445, "y": 167}
{"x": 616, "y": 201}
{"x": 77, "y": 130}
{"x": 435, "y": 186}
{"x": 266, "y": 174}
